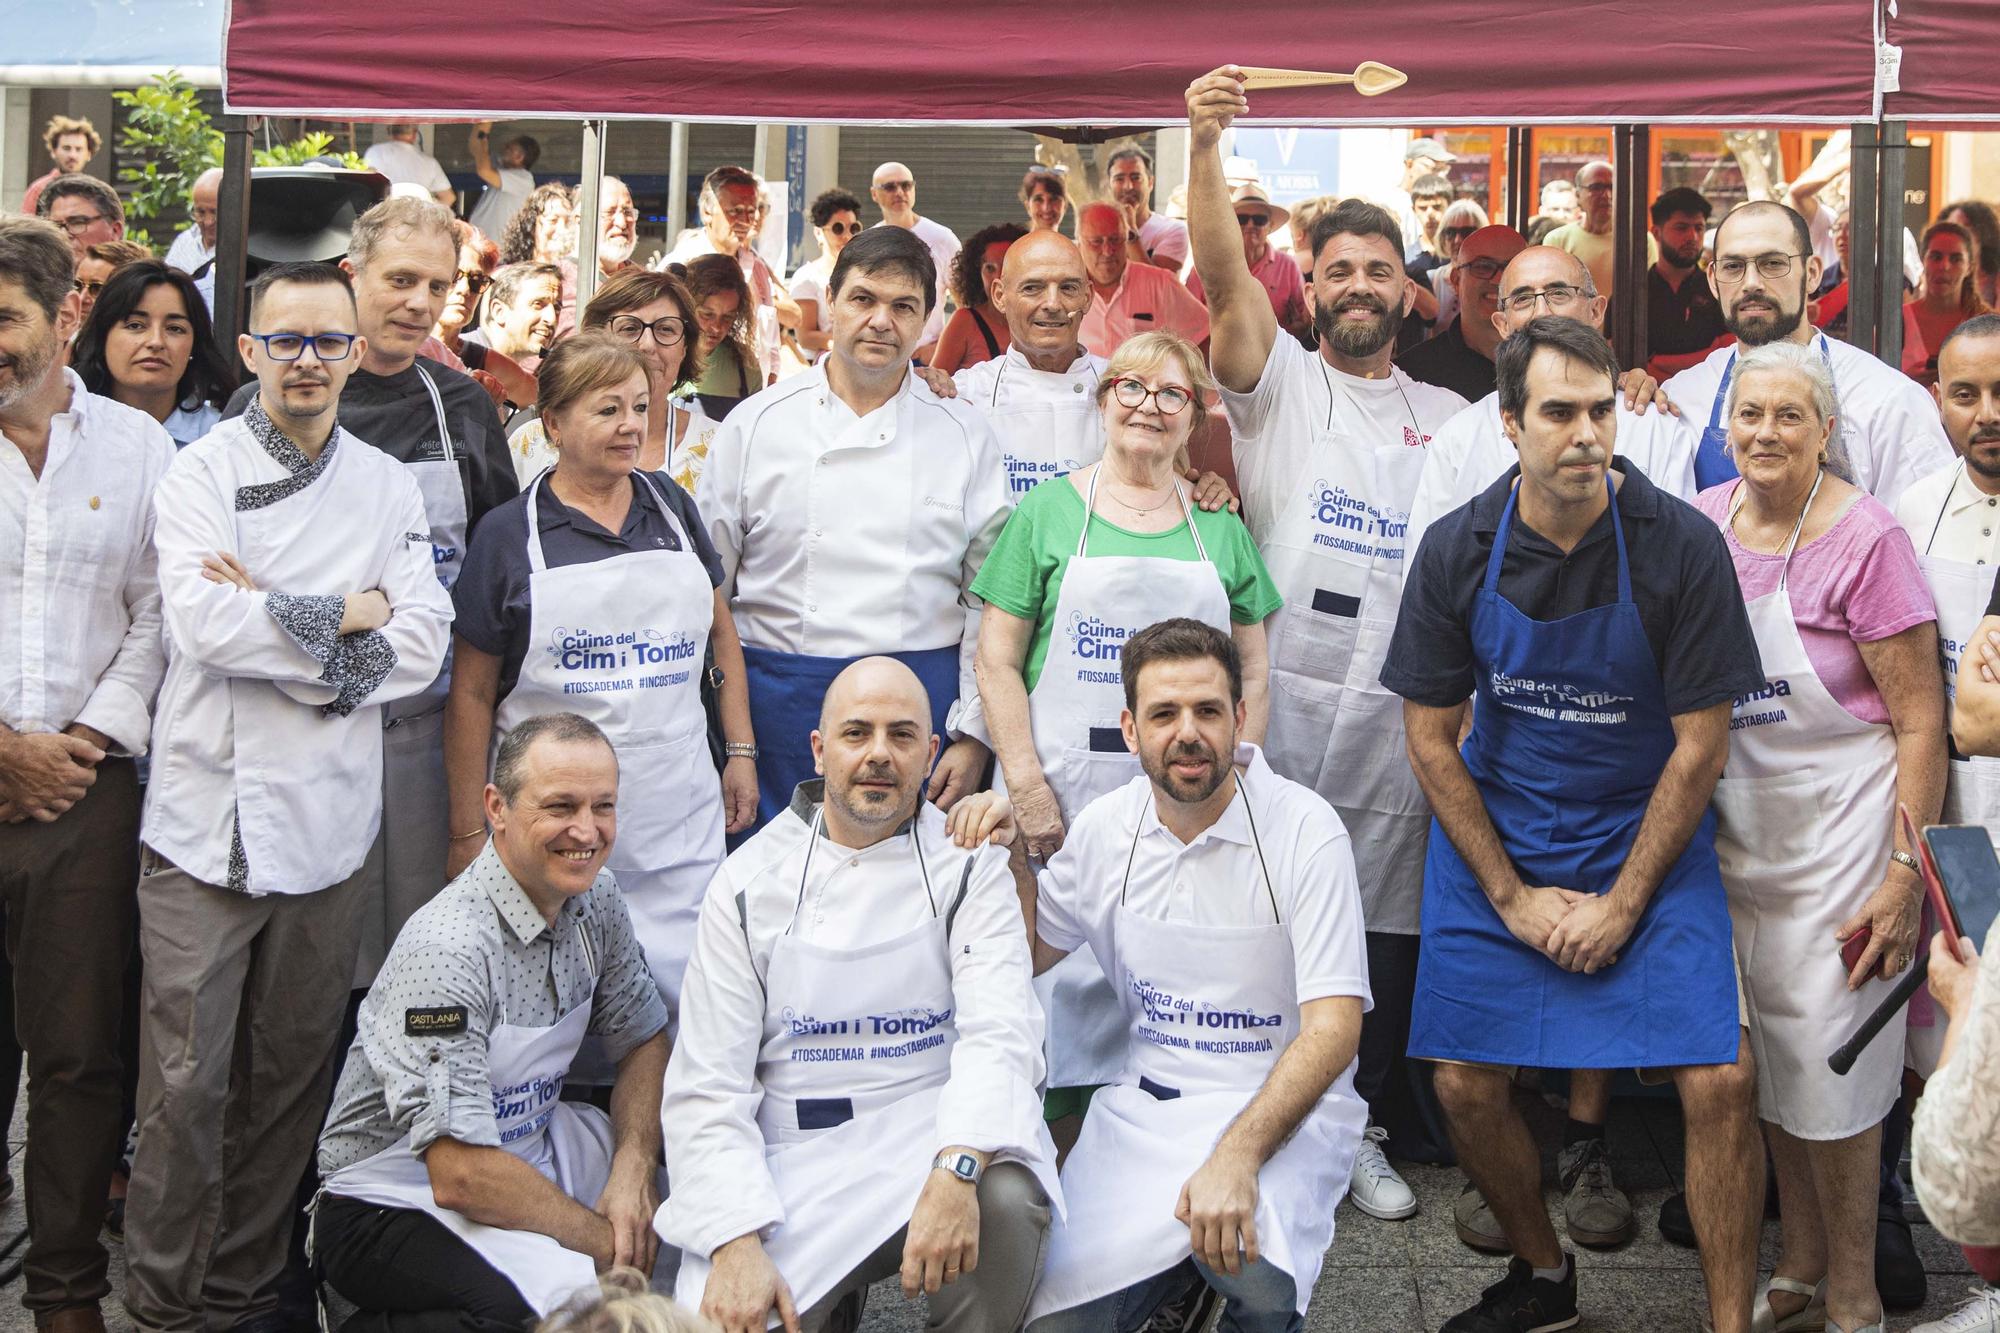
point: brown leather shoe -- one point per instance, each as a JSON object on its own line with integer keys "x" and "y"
{"x": 71, "y": 1319}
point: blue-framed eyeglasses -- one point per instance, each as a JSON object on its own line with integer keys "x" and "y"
{"x": 292, "y": 346}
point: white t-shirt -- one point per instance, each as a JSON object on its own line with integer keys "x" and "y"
{"x": 1165, "y": 238}
{"x": 1218, "y": 879}
{"x": 808, "y": 283}
{"x": 406, "y": 163}
{"x": 1275, "y": 428}
{"x": 1888, "y": 423}
{"x": 944, "y": 247}
{"x": 497, "y": 207}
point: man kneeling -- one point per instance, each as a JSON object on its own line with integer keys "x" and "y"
{"x": 460, "y": 1191}
{"x": 1221, "y": 900}
{"x": 853, "y": 1092}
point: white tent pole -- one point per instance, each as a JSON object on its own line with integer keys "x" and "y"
{"x": 677, "y": 170}
{"x": 588, "y": 206}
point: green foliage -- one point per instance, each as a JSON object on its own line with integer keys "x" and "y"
{"x": 167, "y": 142}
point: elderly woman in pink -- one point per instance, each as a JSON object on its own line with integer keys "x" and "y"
{"x": 1849, "y": 722}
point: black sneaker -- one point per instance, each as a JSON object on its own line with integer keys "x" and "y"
{"x": 1187, "y": 1312}
{"x": 1899, "y": 1273}
{"x": 1521, "y": 1303}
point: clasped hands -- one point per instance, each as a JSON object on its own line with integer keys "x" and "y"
{"x": 1578, "y": 932}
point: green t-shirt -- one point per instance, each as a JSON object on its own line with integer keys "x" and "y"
{"x": 1023, "y": 573}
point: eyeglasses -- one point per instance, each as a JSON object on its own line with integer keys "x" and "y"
{"x": 896, "y": 187}
{"x": 843, "y": 228}
{"x": 90, "y": 289}
{"x": 1483, "y": 269}
{"x": 742, "y": 213}
{"x": 1253, "y": 219}
{"x": 620, "y": 214}
{"x": 475, "y": 281}
{"x": 1559, "y": 295}
{"x": 1768, "y": 266}
{"x": 1602, "y": 187}
{"x": 292, "y": 346}
{"x": 1170, "y": 399}
{"x": 202, "y": 214}
{"x": 76, "y": 224}
{"x": 667, "y": 330}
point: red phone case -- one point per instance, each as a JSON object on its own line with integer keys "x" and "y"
{"x": 1856, "y": 945}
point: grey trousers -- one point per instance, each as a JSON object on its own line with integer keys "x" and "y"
{"x": 242, "y": 1009}
{"x": 993, "y": 1298}
{"x": 405, "y": 867}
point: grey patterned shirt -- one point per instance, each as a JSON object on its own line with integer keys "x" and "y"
{"x": 478, "y": 956}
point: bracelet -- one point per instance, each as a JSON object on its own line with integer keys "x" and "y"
{"x": 1904, "y": 859}
{"x": 461, "y": 837}
{"x": 739, "y": 750}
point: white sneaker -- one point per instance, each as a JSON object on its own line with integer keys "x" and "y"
{"x": 1981, "y": 1314}
{"x": 1374, "y": 1185}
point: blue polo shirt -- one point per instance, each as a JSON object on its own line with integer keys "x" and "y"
{"x": 491, "y": 596}
{"x": 1682, "y": 581}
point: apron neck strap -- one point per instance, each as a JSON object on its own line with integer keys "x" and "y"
{"x": 1242, "y": 794}
{"x": 1791, "y": 542}
{"x": 1943, "y": 506}
{"x": 1090, "y": 507}
{"x": 916, "y": 849}
{"x": 1722, "y": 391}
{"x": 1500, "y": 535}
{"x": 437, "y": 408}
{"x": 537, "y": 560}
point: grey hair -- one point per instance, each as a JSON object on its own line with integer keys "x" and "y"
{"x": 1790, "y": 358}
{"x": 511, "y": 763}
{"x": 404, "y": 214}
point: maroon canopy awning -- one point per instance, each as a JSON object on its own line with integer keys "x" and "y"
{"x": 1041, "y": 62}
{"x": 1949, "y": 69}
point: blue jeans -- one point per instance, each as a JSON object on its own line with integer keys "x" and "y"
{"x": 1260, "y": 1299}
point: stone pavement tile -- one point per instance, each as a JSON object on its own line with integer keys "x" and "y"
{"x": 1364, "y": 1300}
{"x": 1361, "y": 1241}
{"x": 1647, "y": 1249}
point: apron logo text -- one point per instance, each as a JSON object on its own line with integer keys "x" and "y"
{"x": 1337, "y": 511}
{"x": 1557, "y": 701}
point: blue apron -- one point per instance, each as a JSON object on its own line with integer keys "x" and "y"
{"x": 785, "y": 694}
{"x": 1713, "y": 463}
{"x": 1570, "y": 734}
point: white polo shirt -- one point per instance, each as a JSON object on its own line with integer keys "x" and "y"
{"x": 1949, "y": 517}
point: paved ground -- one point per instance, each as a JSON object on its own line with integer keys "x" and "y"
{"x": 1408, "y": 1277}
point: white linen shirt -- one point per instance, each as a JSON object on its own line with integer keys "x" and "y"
{"x": 80, "y": 611}
{"x": 844, "y": 535}
{"x": 188, "y": 253}
{"x": 1470, "y": 451}
{"x": 1888, "y": 422}
{"x": 242, "y": 738}
{"x": 1008, "y": 392}
{"x": 1949, "y": 517}
{"x": 1216, "y": 880}
{"x": 406, "y": 164}
{"x": 854, "y": 898}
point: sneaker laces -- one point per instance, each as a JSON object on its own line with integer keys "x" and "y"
{"x": 1589, "y": 1170}
{"x": 1370, "y": 1160}
{"x": 1980, "y": 1310}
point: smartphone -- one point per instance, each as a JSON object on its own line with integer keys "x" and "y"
{"x": 1854, "y": 947}
{"x": 1970, "y": 877}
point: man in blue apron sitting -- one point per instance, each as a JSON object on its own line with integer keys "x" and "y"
{"x": 1221, "y": 899}
{"x": 851, "y": 507}
{"x": 461, "y": 1191}
{"x": 1573, "y": 911}
{"x": 853, "y": 1093}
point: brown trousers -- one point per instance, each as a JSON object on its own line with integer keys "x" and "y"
{"x": 71, "y": 914}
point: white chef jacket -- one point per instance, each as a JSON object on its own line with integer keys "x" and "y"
{"x": 1216, "y": 880}
{"x": 1148, "y": 299}
{"x": 715, "y": 1150}
{"x": 844, "y": 536}
{"x": 242, "y": 739}
{"x": 1949, "y": 517}
{"x": 1471, "y": 450}
{"x": 1888, "y": 422}
{"x": 1276, "y": 427}
{"x": 1001, "y": 383}
{"x": 79, "y": 588}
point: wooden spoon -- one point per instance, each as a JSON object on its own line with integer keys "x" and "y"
{"x": 1370, "y": 78}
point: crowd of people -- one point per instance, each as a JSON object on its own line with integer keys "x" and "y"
{"x": 783, "y": 782}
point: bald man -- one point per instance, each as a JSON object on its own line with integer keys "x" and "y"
{"x": 894, "y": 190}
{"x": 1128, "y": 298}
{"x": 1470, "y": 451}
{"x": 1461, "y": 357}
{"x": 854, "y": 1090}
{"x": 194, "y": 249}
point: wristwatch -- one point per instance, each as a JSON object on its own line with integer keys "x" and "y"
{"x": 1904, "y": 859}
{"x": 961, "y": 1164}
{"x": 738, "y": 750}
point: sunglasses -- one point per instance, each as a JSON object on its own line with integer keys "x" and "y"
{"x": 843, "y": 228}
{"x": 1253, "y": 219}
{"x": 86, "y": 288}
{"x": 475, "y": 281}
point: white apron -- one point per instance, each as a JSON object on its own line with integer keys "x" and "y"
{"x": 1074, "y": 709}
{"x": 857, "y": 1049}
{"x": 568, "y": 1143}
{"x": 414, "y": 841}
{"x": 1972, "y": 786}
{"x": 1337, "y": 557}
{"x": 1045, "y": 438}
{"x": 1209, "y": 1010}
{"x": 1805, "y": 821}
{"x": 621, "y": 641}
